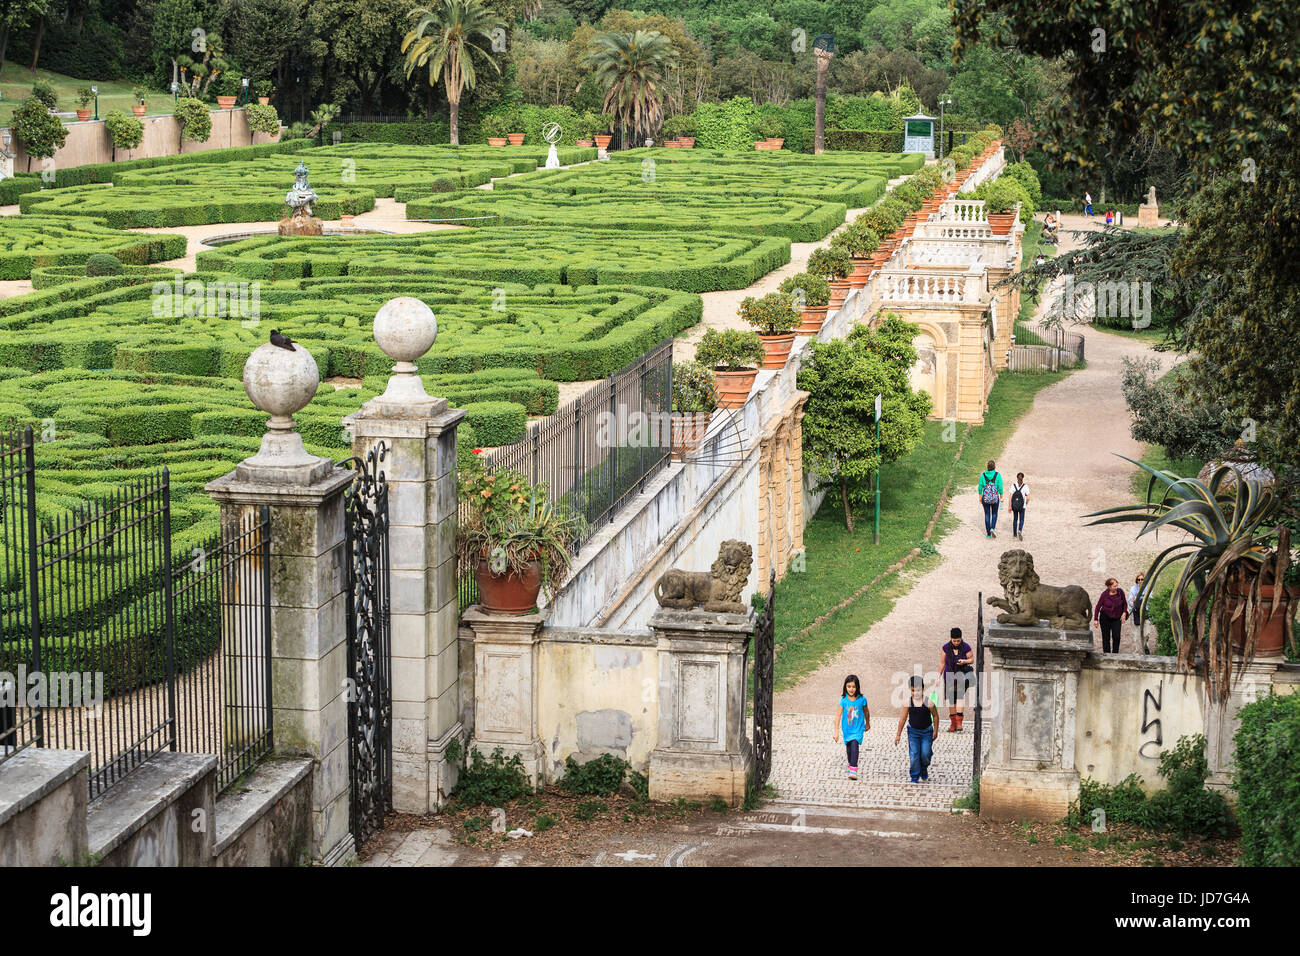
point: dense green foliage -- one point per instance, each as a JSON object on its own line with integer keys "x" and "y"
{"x": 41, "y": 132}
{"x": 1267, "y": 781}
{"x": 599, "y": 777}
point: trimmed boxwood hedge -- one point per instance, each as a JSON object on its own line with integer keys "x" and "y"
{"x": 667, "y": 209}
{"x": 692, "y": 262}
{"x": 15, "y": 186}
{"x": 865, "y": 140}
{"x": 108, "y": 172}
{"x": 28, "y": 242}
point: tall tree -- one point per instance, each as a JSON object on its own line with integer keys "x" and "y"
{"x": 631, "y": 67}
{"x": 16, "y": 14}
{"x": 444, "y": 39}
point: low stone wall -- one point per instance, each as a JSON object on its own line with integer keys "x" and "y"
{"x": 266, "y": 820}
{"x": 88, "y": 143}
{"x": 43, "y": 808}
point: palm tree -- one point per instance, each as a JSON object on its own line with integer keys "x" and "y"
{"x": 631, "y": 67}
{"x": 443, "y": 38}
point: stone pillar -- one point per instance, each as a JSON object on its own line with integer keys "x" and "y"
{"x": 1222, "y": 720}
{"x": 764, "y": 553}
{"x": 505, "y": 685}
{"x": 1033, "y": 692}
{"x": 796, "y": 472}
{"x": 419, "y": 435}
{"x": 1008, "y": 309}
{"x": 702, "y": 750}
{"x": 308, "y": 585}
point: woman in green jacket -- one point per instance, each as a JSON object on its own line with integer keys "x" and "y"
{"x": 991, "y": 497}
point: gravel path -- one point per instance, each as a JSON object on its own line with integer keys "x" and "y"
{"x": 1066, "y": 446}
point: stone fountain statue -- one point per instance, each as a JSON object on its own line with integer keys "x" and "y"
{"x": 299, "y": 221}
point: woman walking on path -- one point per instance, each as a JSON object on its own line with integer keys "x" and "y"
{"x": 990, "y": 497}
{"x": 1135, "y": 608}
{"x": 954, "y": 671}
{"x": 1111, "y": 611}
{"x": 922, "y": 720}
{"x": 1019, "y": 498}
{"x": 854, "y": 721}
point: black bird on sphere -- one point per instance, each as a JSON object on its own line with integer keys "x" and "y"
{"x": 282, "y": 341}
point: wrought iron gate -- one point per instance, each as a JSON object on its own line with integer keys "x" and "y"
{"x": 370, "y": 699}
{"x": 764, "y": 659}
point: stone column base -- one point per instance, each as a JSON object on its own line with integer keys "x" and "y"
{"x": 532, "y": 754}
{"x": 443, "y": 773}
{"x": 1011, "y": 795}
{"x": 699, "y": 776}
{"x": 341, "y": 854}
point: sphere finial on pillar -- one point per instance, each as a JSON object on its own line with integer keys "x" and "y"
{"x": 281, "y": 381}
{"x": 405, "y": 328}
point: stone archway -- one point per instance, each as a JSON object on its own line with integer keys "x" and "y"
{"x": 929, "y": 372}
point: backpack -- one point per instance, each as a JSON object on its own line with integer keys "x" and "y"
{"x": 1017, "y": 499}
{"x": 990, "y": 494}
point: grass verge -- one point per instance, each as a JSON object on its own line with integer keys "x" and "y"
{"x": 836, "y": 563}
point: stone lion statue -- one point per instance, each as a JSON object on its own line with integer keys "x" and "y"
{"x": 718, "y": 590}
{"x": 1029, "y": 601}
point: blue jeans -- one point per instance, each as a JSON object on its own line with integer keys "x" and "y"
{"x": 990, "y": 516}
{"x": 1087, "y": 210}
{"x": 1017, "y": 521}
{"x": 920, "y": 748}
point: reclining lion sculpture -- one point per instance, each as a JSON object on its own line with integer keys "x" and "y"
{"x": 717, "y": 590}
{"x": 1029, "y": 601}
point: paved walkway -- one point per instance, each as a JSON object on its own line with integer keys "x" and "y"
{"x": 1066, "y": 445}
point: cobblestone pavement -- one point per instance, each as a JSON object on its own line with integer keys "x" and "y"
{"x": 808, "y": 766}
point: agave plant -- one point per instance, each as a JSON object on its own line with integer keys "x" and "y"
{"x": 1234, "y": 547}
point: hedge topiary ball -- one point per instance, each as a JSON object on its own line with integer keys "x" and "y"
{"x": 102, "y": 264}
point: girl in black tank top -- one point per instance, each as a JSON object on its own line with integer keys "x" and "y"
{"x": 920, "y": 718}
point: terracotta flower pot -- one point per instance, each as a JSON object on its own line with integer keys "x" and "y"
{"x": 138, "y": 109}
{"x": 264, "y": 100}
{"x": 733, "y": 386}
{"x": 1001, "y": 222}
{"x": 813, "y": 317}
{"x": 1271, "y": 641}
{"x": 516, "y": 139}
{"x": 672, "y": 144}
{"x": 764, "y": 144}
{"x": 862, "y": 269}
{"x": 602, "y": 141}
{"x": 226, "y": 102}
{"x": 689, "y": 429}
{"x": 775, "y": 142}
{"x": 584, "y": 143}
{"x": 509, "y": 593}
{"x": 688, "y": 142}
{"x": 776, "y": 349}
{"x": 839, "y": 292}
{"x": 83, "y": 115}
{"x": 496, "y": 140}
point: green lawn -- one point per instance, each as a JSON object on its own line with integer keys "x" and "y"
{"x": 16, "y": 85}
{"x": 837, "y": 563}
{"x": 1030, "y": 247}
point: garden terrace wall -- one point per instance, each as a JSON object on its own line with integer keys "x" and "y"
{"x": 88, "y": 143}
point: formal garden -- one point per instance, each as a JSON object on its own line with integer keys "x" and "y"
{"x": 691, "y": 155}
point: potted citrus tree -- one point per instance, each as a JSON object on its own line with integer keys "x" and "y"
{"x": 1001, "y": 207}
{"x": 695, "y": 396}
{"x": 834, "y": 265}
{"x": 514, "y": 538}
{"x": 734, "y": 355}
{"x": 774, "y": 318}
{"x": 139, "y": 94}
{"x": 264, "y": 90}
{"x": 495, "y": 128}
{"x": 514, "y": 123}
{"x": 811, "y": 294}
{"x": 84, "y": 96}
{"x": 1235, "y": 560}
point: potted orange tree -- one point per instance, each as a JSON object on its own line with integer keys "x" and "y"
{"x": 811, "y": 294}
{"x": 139, "y": 94}
{"x": 860, "y": 242}
{"x": 774, "y": 318}
{"x": 834, "y": 265}
{"x": 1000, "y": 206}
{"x": 515, "y": 539}
{"x": 494, "y": 128}
{"x": 695, "y": 396}
{"x": 84, "y": 96}
{"x": 734, "y": 355}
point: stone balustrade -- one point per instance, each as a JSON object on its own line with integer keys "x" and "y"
{"x": 960, "y": 210}
{"x": 912, "y": 287}
{"x": 959, "y": 253}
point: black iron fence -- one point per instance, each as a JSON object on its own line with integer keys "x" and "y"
{"x": 598, "y": 450}
{"x": 116, "y": 646}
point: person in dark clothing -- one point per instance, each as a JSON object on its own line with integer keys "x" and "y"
{"x": 922, "y": 720}
{"x": 1110, "y": 613}
{"x": 955, "y": 669}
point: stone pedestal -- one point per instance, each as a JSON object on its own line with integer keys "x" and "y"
{"x": 1148, "y": 216}
{"x": 420, "y": 467}
{"x": 702, "y": 749}
{"x": 1032, "y": 695}
{"x": 505, "y": 686}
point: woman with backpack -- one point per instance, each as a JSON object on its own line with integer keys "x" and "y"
{"x": 1019, "y": 498}
{"x": 990, "y": 497}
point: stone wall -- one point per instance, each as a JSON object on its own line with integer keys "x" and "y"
{"x": 88, "y": 143}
